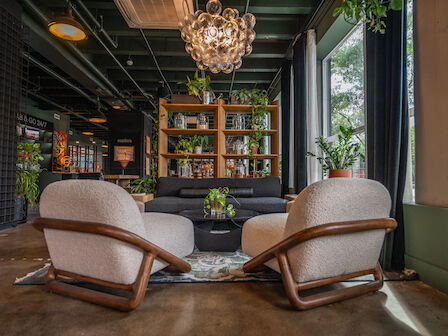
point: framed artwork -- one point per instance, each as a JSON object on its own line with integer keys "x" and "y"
{"x": 59, "y": 150}
{"x": 124, "y": 153}
{"x": 148, "y": 145}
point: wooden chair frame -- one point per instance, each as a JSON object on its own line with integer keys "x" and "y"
{"x": 292, "y": 288}
{"x": 138, "y": 288}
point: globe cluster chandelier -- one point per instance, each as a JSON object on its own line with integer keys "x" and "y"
{"x": 216, "y": 41}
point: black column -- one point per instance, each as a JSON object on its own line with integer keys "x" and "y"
{"x": 388, "y": 123}
{"x": 10, "y": 93}
{"x": 286, "y": 122}
{"x": 300, "y": 148}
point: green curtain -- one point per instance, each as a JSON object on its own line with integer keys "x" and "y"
{"x": 388, "y": 123}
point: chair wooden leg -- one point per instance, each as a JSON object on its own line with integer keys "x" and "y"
{"x": 138, "y": 289}
{"x": 317, "y": 300}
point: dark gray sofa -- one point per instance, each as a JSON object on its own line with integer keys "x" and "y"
{"x": 266, "y": 196}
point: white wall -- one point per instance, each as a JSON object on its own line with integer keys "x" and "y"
{"x": 431, "y": 102}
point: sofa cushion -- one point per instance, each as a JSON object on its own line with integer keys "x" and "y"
{"x": 203, "y": 192}
{"x": 262, "y": 187}
{"x": 174, "y": 204}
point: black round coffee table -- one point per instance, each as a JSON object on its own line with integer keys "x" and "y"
{"x": 218, "y": 233}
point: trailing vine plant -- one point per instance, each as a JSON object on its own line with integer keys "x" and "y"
{"x": 372, "y": 11}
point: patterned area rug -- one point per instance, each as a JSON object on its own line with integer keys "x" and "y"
{"x": 205, "y": 267}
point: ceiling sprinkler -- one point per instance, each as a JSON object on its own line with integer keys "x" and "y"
{"x": 129, "y": 61}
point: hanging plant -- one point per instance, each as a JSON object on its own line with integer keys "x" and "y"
{"x": 372, "y": 11}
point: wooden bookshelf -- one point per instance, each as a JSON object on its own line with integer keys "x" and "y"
{"x": 219, "y": 133}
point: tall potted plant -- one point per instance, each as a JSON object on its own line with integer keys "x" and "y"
{"x": 338, "y": 157}
{"x": 200, "y": 87}
{"x": 28, "y": 171}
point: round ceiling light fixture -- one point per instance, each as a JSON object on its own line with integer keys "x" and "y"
{"x": 99, "y": 117}
{"x": 218, "y": 41}
{"x": 66, "y": 27}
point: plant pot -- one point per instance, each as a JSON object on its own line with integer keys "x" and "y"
{"x": 198, "y": 149}
{"x": 207, "y": 97}
{"x": 340, "y": 173}
{"x": 217, "y": 208}
{"x": 234, "y": 100}
{"x": 254, "y": 150}
{"x": 20, "y": 211}
{"x": 184, "y": 99}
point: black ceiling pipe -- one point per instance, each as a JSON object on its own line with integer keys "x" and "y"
{"x": 63, "y": 108}
{"x": 44, "y": 19}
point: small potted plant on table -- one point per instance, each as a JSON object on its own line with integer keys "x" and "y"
{"x": 215, "y": 202}
{"x": 339, "y": 157}
{"x": 143, "y": 189}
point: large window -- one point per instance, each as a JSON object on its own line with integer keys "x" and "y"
{"x": 343, "y": 71}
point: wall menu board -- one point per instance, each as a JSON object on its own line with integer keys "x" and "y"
{"x": 31, "y": 121}
{"x": 124, "y": 153}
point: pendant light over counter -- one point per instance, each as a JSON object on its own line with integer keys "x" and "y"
{"x": 218, "y": 41}
{"x": 66, "y": 27}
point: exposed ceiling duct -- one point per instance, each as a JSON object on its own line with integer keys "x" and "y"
{"x": 154, "y": 14}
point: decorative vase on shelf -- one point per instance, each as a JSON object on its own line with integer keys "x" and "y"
{"x": 340, "y": 173}
{"x": 207, "y": 97}
{"x": 238, "y": 121}
{"x": 238, "y": 147}
{"x": 202, "y": 121}
{"x": 180, "y": 121}
{"x": 184, "y": 170}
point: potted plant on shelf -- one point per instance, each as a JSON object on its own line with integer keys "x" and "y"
{"x": 200, "y": 87}
{"x": 215, "y": 202}
{"x": 240, "y": 97}
{"x": 199, "y": 143}
{"x": 28, "y": 171}
{"x": 184, "y": 146}
{"x": 338, "y": 157}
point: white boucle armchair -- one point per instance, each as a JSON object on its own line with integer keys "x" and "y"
{"x": 95, "y": 232}
{"x": 334, "y": 231}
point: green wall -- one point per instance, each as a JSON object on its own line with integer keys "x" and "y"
{"x": 426, "y": 243}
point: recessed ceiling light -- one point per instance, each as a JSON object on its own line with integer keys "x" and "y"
{"x": 94, "y": 142}
{"x": 98, "y": 120}
{"x": 116, "y": 107}
{"x": 105, "y": 146}
{"x": 66, "y": 27}
{"x": 77, "y": 141}
{"x": 105, "y": 154}
{"x": 87, "y": 133}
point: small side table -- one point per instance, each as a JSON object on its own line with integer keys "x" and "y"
{"x": 290, "y": 197}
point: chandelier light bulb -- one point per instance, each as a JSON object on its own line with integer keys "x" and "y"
{"x": 218, "y": 39}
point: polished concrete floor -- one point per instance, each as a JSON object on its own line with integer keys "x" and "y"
{"x": 400, "y": 308}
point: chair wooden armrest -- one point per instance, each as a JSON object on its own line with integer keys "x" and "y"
{"x": 280, "y": 250}
{"x": 138, "y": 288}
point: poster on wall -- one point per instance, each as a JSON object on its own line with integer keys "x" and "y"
{"x": 59, "y": 150}
{"x": 124, "y": 154}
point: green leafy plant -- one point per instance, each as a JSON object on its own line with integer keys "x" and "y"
{"x": 200, "y": 141}
{"x": 28, "y": 171}
{"x": 145, "y": 185}
{"x": 216, "y": 200}
{"x": 184, "y": 146}
{"x": 257, "y": 121}
{"x": 372, "y": 11}
{"x": 198, "y": 85}
{"x": 341, "y": 154}
{"x": 243, "y": 95}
